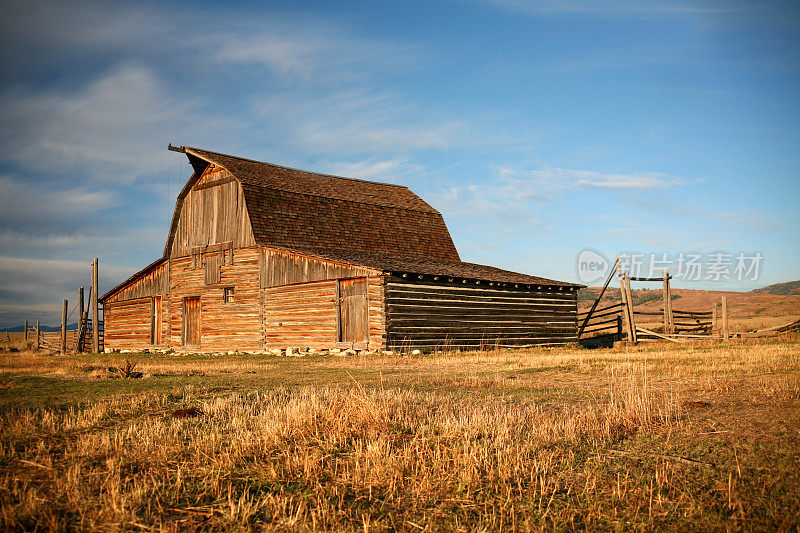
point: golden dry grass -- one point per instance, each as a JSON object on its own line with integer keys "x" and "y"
{"x": 675, "y": 437}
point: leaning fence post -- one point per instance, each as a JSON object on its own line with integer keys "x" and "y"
{"x": 37, "y": 334}
{"x": 26, "y": 331}
{"x": 724, "y": 318}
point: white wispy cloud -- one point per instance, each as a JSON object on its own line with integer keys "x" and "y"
{"x": 358, "y": 120}
{"x": 31, "y": 205}
{"x": 520, "y": 194}
{"x": 113, "y": 129}
{"x": 309, "y": 51}
{"x": 542, "y": 181}
{"x": 374, "y": 168}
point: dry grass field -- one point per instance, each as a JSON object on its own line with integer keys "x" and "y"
{"x": 698, "y": 437}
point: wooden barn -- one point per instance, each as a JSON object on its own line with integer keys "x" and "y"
{"x": 262, "y": 256}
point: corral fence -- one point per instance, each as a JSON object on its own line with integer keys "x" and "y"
{"x": 622, "y": 322}
{"x": 88, "y": 336}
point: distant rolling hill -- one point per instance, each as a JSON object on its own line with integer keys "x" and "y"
{"x": 19, "y": 329}
{"x": 782, "y": 289}
{"x": 782, "y": 299}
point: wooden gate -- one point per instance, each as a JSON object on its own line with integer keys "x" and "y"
{"x": 353, "y": 316}
{"x": 191, "y": 322}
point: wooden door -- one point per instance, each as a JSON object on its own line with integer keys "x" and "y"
{"x": 353, "y": 311}
{"x": 155, "y": 320}
{"x": 191, "y": 321}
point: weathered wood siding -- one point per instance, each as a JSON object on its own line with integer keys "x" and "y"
{"x": 154, "y": 283}
{"x": 212, "y": 212}
{"x": 225, "y": 326}
{"x": 429, "y": 314}
{"x": 285, "y": 268}
{"x": 306, "y": 315}
{"x": 128, "y": 323}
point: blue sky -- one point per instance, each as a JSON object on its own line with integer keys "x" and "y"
{"x": 538, "y": 129}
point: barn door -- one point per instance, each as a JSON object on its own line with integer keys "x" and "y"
{"x": 353, "y": 311}
{"x": 191, "y": 321}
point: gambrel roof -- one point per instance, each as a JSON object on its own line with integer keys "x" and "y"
{"x": 298, "y": 210}
{"x": 364, "y": 223}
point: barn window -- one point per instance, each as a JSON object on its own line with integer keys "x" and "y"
{"x": 227, "y": 295}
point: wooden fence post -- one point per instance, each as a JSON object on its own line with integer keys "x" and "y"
{"x": 26, "y": 331}
{"x": 724, "y": 318}
{"x": 37, "y": 334}
{"x": 630, "y": 306}
{"x": 624, "y": 308}
{"x": 64, "y": 327}
{"x": 666, "y": 301}
{"x": 714, "y": 328}
{"x": 670, "y": 314}
{"x": 80, "y": 303}
{"x": 95, "y": 317}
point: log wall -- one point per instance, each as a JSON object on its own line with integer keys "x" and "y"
{"x": 128, "y": 313}
{"x": 305, "y": 315}
{"x": 128, "y": 323}
{"x": 428, "y": 314}
{"x": 300, "y": 315}
{"x": 224, "y": 325}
